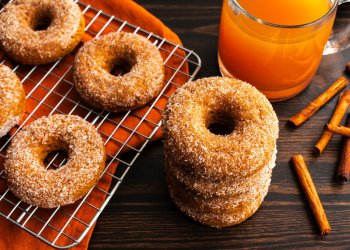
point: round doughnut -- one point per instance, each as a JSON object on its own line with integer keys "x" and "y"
{"x": 40, "y": 31}
{"x": 99, "y": 87}
{"x": 223, "y": 219}
{"x": 208, "y": 188}
{"x": 246, "y": 148}
{"x": 12, "y": 100}
{"x": 216, "y": 204}
{"x": 24, "y": 163}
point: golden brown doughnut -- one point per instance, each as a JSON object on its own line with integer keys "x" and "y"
{"x": 26, "y": 174}
{"x": 195, "y": 106}
{"x": 40, "y": 31}
{"x": 215, "y": 204}
{"x": 222, "y": 219}
{"x": 209, "y": 188}
{"x": 95, "y": 61}
{"x": 12, "y": 100}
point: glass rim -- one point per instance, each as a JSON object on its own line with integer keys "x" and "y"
{"x": 235, "y": 2}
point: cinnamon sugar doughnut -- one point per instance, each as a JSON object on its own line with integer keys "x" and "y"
{"x": 195, "y": 106}
{"x": 218, "y": 204}
{"x": 40, "y": 31}
{"x": 209, "y": 188}
{"x": 95, "y": 61}
{"x": 26, "y": 174}
{"x": 222, "y": 219}
{"x": 12, "y": 100}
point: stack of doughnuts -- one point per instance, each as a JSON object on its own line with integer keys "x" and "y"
{"x": 220, "y": 148}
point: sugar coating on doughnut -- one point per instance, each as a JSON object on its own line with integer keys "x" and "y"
{"x": 95, "y": 61}
{"x": 26, "y": 174}
{"x": 246, "y": 149}
{"x": 220, "y": 204}
{"x": 21, "y": 42}
{"x": 207, "y": 188}
{"x": 222, "y": 219}
{"x": 12, "y": 99}
{"x": 223, "y": 202}
{"x": 9, "y": 123}
{"x": 225, "y": 213}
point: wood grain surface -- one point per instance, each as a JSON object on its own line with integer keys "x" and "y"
{"x": 141, "y": 214}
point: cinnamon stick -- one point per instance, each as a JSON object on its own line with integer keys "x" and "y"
{"x": 347, "y": 68}
{"x": 316, "y": 104}
{"x": 311, "y": 194}
{"x": 344, "y": 164}
{"x": 340, "y": 130}
{"x": 338, "y": 114}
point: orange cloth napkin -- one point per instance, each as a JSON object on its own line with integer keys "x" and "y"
{"x": 13, "y": 237}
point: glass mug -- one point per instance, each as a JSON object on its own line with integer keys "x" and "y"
{"x": 276, "y": 56}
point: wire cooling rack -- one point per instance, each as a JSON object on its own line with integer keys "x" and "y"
{"x": 50, "y": 90}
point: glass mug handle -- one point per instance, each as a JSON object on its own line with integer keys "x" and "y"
{"x": 340, "y": 37}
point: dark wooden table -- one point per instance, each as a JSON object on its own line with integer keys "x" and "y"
{"x": 141, "y": 214}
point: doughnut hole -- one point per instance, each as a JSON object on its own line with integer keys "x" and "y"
{"x": 120, "y": 66}
{"x": 220, "y": 122}
{"x": 42, "y": 20}
{"x": 56, "y": 159}
{"x": 55, "y": 154}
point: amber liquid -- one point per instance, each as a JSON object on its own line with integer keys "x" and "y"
{"x": 280, "y": 62}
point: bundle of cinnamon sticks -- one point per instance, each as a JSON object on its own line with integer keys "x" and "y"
{"x": 333, "y": 127}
